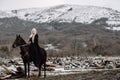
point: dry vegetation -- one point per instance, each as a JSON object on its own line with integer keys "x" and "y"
{"x": 72, "y": 39}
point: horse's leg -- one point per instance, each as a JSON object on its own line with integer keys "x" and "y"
{"x": 28, "y": 69}
{"x": 25, "y": 67}
{"x": 39, "y": 74}
{"x": 44, "y": 69}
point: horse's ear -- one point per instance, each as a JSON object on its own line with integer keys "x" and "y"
{"x": 19, "y": 35}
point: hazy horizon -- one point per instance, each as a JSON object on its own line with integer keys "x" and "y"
{"x": 21, "y": 4}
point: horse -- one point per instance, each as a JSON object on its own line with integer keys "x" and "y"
{"x": 29, "y": 55}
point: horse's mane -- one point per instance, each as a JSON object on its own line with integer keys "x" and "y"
{"x": 22, "y": 39}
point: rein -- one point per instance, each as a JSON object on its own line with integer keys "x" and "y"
{"x": 24, "y": 45}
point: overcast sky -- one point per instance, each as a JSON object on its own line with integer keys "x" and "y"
{"x": 19, "y": 4}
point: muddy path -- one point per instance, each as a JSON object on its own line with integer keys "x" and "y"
{"x": 82, "y": 75}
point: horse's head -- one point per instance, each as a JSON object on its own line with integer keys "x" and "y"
{"x": 18, "y": 41}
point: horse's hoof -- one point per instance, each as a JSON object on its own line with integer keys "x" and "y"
{"x": 28, "y": 76}
{"x": 44, "y": 76}
{"x": 39, "y": 76}
{"x": 24, "y": 75}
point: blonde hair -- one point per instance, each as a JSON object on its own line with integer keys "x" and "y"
{"x": 33, "y": 33}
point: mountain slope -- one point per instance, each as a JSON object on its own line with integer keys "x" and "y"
{"x": 67, "y": 13}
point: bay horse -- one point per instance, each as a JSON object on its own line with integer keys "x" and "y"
{"x": 29, "y": 55}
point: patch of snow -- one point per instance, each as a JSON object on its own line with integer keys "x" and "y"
{"x": 1, "y": 69}
{"x": 12, "y": 68}
{"x": 113, "y": 22}
{"x": 84, "y": 44}
{"x": 4, "y": 14}
{"x": 113, "y": 28}
{"x": 59, "y": 69}
{"x": 51, "y": 47}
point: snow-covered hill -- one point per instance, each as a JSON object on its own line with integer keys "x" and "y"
{"x": 67, "y": 13}
{"x": 4, "y": 14}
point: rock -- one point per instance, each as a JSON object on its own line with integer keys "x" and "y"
{"x": 111, "y": 65}
{"x": 50, "y": 65}
{"x": 50, "y": 69}
{"x": 7, "y": 70}
{"x": 15, "y": 67}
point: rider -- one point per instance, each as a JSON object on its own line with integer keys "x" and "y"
{"x": 34, "y": 45}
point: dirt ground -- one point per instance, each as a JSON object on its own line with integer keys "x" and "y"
{"x": 90, "y": 75}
